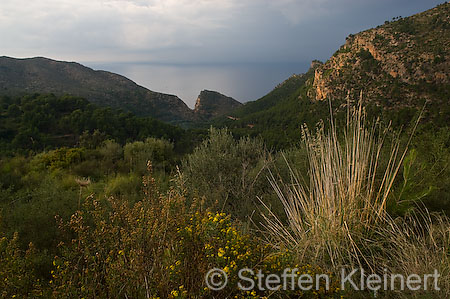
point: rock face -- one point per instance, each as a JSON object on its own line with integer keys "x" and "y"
{"x": 398, "y": 63}
{"x": 42, "y": 75}
{"x": 211, "y": 104}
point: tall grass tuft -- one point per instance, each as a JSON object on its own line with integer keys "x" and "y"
{"x": 339, "y": 218}
{"x": 346, "y": 195}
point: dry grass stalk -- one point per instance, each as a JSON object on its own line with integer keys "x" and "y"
{"x": 339, "y": 219}
{"x": 346, "y": 195}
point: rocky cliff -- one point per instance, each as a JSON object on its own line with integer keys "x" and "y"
{"x": 211, "y": 104}
{"x": 397, "y": 63}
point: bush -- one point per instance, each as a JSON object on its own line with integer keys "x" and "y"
{"x": 32, "y": 212}
{"x": 111, "y": 153}
{"x": 123, "y": 185}
{"x": 17, "y": 277}
{"x": 229, "y": 173}
{"x": 61, "y": 158}
{"x": 159, "y": 151}
{"x": 340, "y": 218}
{"x": 159, "y": 247}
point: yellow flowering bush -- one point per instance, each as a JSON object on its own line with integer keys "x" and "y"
{"x": 159, "y": 247}
{"x": 119, "y": 250}
{"x": 209, "y": 240}
{"x": 17, "y": 279}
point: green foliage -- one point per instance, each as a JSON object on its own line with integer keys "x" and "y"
{"x": 31, "y": 211}
{"x": 279, "y": 93}
{"x": 111, "y": 150}
{"x": 159, "y": 151}
{"x": 425, "y": 173}
{"x": 93, "y": 140}
{"x": 428, "y": 173}
{"x": 60, "y": 158}
{"x": 17, "y": 277}
{"x": 227, "y": 172}
{"x": 343, "y": 49}
{"x": 110, "y": 159}
{"x": 124, "y": 185}
{"x": 368, "y": 62}
{"x": 40, "y": 122}
{"x": 364, "y": 55}
{"x": 12, "y": 171}
{"x": 405, "y": 25}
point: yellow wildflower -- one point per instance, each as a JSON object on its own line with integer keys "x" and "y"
{"x": 221, "y": 252}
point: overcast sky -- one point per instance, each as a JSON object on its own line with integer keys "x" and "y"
{"x": 190, "y": 32}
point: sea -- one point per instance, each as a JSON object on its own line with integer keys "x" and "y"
{"x": 241, "y": 81}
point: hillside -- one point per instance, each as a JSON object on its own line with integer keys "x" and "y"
{"x": 211, "y": 104}
{"x": 278, "y": 116}
{"x": 397, "y": 67}
{"x": 398, "y": 64}
{"x": 41, "y": 122}
{"x": 19, "y": 77}
{"x": 42, "y": 75}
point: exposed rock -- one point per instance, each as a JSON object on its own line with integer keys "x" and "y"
{"x": 391, "y": 62}
{"x": 211, "y": 104}
{"x": 316, "y": 63}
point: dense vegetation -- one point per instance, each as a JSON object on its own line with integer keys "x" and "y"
{"x": 123, "y": 227}
{"x": 38, "y": 122}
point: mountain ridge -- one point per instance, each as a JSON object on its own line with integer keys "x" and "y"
{"x": 19, "y": 76}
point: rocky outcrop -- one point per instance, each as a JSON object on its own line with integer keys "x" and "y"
{"x": 401, "y": 61}
{"x": 211, "y": 104}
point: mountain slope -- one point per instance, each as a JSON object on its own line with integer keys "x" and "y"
{"x": 278, "y": 116}
{"x": 397, "y": 67}
{"x": 398, "y": 64}
{"x": 211, "y": 104}
{"x": 42, "y": 75}
{"x": 281, "y": 92}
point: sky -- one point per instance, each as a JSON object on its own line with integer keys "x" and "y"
{"x": 242, "y": 48}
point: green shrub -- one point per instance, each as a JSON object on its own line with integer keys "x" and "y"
{"x": 159, "y": 151}
{"x": 32, "y": 212}
{"x": 61, "y": 158}
{"x": 123, "y": 185}
{"x": 229, "y": 173}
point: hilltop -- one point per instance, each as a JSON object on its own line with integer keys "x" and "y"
{"x": 211, "y": 104}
